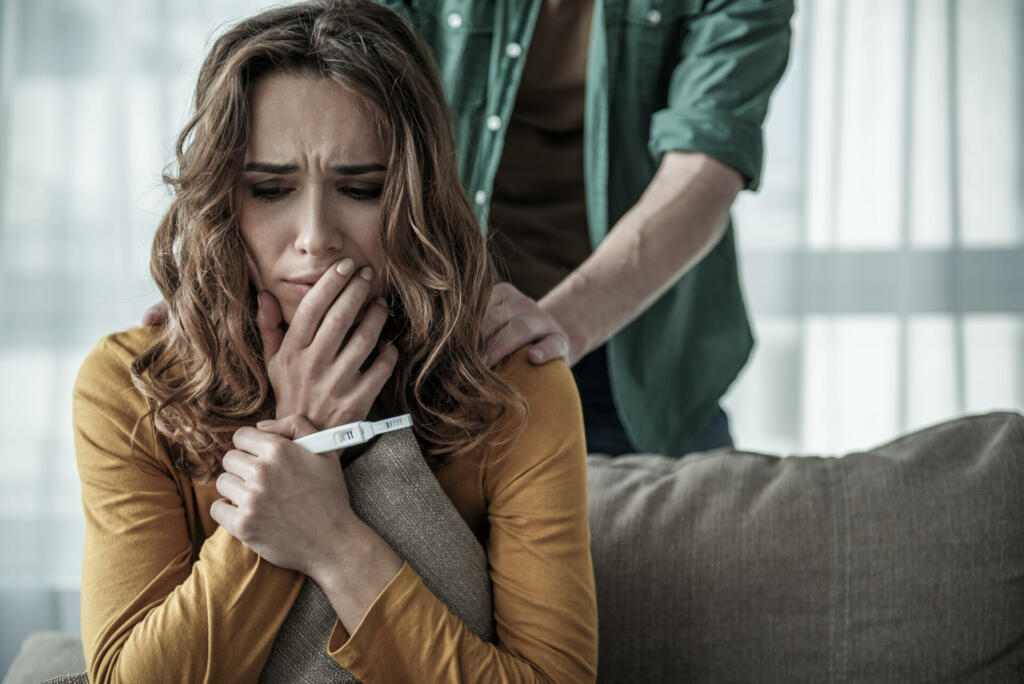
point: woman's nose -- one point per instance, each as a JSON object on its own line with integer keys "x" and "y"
{"x": 318, "y": 232}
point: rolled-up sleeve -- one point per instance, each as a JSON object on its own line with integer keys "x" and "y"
{"x": 733, "y": 54}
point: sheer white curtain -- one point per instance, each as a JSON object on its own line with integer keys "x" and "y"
{"x": 92, "y": 95}
{"x": 882, "y": 258}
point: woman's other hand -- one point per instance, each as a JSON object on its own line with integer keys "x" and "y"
{"x": 291, "y": 506}
{"x": 314, "y": 367}
{"x": 284, "y": 502}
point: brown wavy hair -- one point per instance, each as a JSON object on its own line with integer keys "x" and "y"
{"x": 204, "y": 375}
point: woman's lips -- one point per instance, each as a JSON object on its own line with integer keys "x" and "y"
{"x": 298, "y": 288}
{"x": 304, "y": 282}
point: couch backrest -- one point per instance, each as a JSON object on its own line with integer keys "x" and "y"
{"x": 901, "y": 564}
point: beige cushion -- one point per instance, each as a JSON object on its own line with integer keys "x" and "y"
{"x": 901, "y": 564}
{"x": 44, "y": 655}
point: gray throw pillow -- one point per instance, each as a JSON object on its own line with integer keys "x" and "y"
{"x": 901, "y": 564}
{"x": 394, "y": 492}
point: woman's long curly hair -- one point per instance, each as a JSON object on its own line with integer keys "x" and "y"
{"x": 204, "y": 375}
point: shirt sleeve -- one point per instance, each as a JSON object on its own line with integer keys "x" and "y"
{"x": 541, "y": 571}
{"x": 152, "y": 611}
{"x": 733, "y": 54}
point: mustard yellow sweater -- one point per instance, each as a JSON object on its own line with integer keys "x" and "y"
{"x": 167, "y": 595}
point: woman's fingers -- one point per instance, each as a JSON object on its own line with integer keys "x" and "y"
{"x": 240, "y": 464}
{"x": 354, "y": 395}
{"x": 290, "y": 427}
{"x": 376, "y": 376}
{"x": 294, "y": 496}
{"x": 314, "y": 305}
{"x": 315, "y": 370}
{"x": 268, "y": 321}
{"x": 365, "y": 337}
{"x": 341, "y": 315}
{"x": 259, "y": 443}
{"x": 233, "y": 488}
{"x": 225, "y": 514}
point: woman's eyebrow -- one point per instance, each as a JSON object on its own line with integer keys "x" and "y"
{"x": 265, "y": 167}
{"x": 341, "y": 169}
{"x": 357, "y": 169}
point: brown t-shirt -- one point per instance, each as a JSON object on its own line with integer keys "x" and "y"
{"x": 538, "y": 217}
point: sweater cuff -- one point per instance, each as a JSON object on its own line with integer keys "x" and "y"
{"x": 354, "y": 651}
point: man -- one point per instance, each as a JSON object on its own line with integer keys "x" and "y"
{"x": 603, "y": 142}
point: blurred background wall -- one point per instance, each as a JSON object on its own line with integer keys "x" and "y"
{"x": 883, "y": 259}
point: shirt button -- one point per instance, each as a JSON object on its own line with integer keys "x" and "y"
{"x": 480, "y": 198}
{"x": 455, "y": 20}
{"x": 493, "y": 122}
{"x": 654, "y": 17}
{"x": 513, "y": 50}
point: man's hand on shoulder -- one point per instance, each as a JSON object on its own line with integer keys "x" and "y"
{"x": 156, "y": 314}
{"x": 514, "y": 320}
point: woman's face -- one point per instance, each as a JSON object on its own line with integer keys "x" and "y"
{"x": 310, "y": 189}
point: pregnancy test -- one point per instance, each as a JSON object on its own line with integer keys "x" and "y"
{"x": 352, "y": 434}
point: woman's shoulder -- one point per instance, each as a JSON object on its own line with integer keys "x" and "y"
{"x": 108, "y": 365}
{"x": 553, "y": 436}
{"x": 546, "y": 386}
{"x": 131, "y": 341}
{"x": 106, "y": 406}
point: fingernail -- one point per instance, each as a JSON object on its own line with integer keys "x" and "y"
{"x": 537, "y": 355}
{"x": 346, "y": 266}
{"x": 264, "y": 424}
{"x": 366, "y": 273}
{"x": 383, "y": 302}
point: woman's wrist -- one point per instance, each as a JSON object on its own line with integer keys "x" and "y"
{"x": 356, "y": 567}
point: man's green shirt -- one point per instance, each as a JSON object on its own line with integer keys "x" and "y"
{"x": 661, "y": 75}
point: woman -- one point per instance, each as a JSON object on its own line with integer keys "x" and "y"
{"x": 317, "y": 211}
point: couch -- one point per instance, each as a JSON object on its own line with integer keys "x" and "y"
{"x": 904, "y": 563}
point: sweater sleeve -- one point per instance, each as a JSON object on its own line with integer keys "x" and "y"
{"x": 540, "y": 566}
{"x": 159, "y": 601}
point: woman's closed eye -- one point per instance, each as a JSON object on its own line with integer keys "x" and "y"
{"x": 270, "y": 193}
{"x": 361, "y": 192}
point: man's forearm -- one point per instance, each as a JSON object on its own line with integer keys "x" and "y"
{"x": 680, "y": 217}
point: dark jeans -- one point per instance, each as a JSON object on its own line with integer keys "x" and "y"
{"x": 605, "y": 434}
